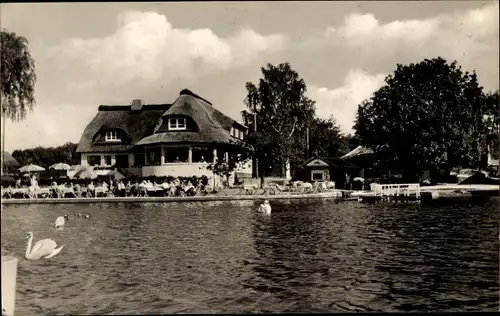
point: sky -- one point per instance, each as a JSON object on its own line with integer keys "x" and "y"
{"x": 87, "y": 54}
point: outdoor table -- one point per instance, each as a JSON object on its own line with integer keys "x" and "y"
{"x": 101, "y": 190}
{"x": 67, "y": 190}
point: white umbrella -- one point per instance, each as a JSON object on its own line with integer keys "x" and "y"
{"x": 60, "y": 166}
{"x": 31, "y": 168}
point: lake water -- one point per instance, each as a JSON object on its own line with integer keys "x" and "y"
{"x": 221, "y": 257}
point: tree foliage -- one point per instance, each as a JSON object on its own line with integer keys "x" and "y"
{"x": 427, "y": 115}
{"x": 282, "y": 113}
{"x": 17, "y": 86}
{"x": 46, "y": 157}
{"x": 492, "y": 121}
{"x": 223, "y": 168}
{"x": 325, "y": 138}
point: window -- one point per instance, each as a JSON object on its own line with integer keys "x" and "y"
{"x": 153, "y": 157}
{"x": 107, "y": 159}
{"x": 139, "y": 159}
{"x": 317, "y": 175}
{"x": 112, "y": 136}
{"x": 203, "y": 154}
{"x": 177, "y": 124}
{"x": 176, "y": 154}
{"x": 94, "y": 160}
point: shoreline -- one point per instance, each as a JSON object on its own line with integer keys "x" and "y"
{"x": 327, "y": 195}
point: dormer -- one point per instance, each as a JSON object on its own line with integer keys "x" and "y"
{"x": 237, "y": 132}
{"x": 113, "y": 136}
{"x": 110, "y": 136}
{"x": 176, "y": 123}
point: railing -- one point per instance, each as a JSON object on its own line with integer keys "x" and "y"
{"x": 391, "y": 190}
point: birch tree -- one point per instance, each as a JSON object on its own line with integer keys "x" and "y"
{"x": 280, "y": 111}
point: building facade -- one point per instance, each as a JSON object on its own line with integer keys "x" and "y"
{"x": 179, "y": 139}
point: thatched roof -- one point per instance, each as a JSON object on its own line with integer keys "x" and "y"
{"x": 134, "y": 124}
{"x": 8, "y": 161}
{"x": 140, "y": 127}
{"x": 212, "y": 125}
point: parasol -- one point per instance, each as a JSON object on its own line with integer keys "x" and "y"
{"x": 60, "y": 166}
{"x": 31, "y": 168}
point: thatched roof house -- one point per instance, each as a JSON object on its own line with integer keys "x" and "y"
{"x": 190, "y": 130}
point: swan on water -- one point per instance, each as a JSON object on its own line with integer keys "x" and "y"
{"x": 61, "y": 220}
{"x": 86, "y": 216}
{"x": 43, "y": 249}
{"x": 265, "y": 207}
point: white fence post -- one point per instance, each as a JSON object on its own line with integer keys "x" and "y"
{"x": 9, "y": 276}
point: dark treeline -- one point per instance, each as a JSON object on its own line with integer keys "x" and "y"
{"x": 47, "y": 156}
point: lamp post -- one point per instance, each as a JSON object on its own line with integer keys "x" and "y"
{"x": 255, "y": 130}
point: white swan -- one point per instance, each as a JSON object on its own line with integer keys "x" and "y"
{"x": 45, "y": 248}
{"x": 265, "y": 207}
{"x": 61, "y": 220}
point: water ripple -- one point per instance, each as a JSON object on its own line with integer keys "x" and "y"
{"x": 222, "y": 257}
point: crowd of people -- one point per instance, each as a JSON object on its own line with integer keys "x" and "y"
{"x": 102, "y": 188}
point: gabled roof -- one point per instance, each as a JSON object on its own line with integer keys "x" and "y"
{"x": 358, "y": 151}
{"x": 214, "y": 126}
{"x": 332, "y": 162}
{"x": 136, "y": 124}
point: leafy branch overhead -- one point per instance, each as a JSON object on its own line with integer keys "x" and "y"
{"x": 17, "y": 86}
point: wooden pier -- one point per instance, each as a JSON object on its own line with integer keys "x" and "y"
{"x": 414, "y": 192}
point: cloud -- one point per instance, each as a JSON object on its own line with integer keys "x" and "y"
{"x": 456, "y": 32}
{"x": 48, "y": 126}
{"x": 146, "y": 47}
{"x": 342, "y": 102}
{"x": 470, "y": 36}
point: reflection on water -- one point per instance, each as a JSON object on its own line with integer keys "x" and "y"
{"x": 307, "y": 256}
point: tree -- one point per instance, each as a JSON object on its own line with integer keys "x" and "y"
{"x": 492, "y": 121}
{"x": 428, "y": 115}
{"x": 46, "y": 157}
{"x": 325, "y": 138}
{"x": 282, "y": 111}
{"x": 17, "y": 86}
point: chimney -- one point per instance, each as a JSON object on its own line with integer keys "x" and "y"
{"x": 136, "y": 105}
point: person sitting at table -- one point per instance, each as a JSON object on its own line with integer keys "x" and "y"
{"x": 189, "y": 189}
{"x": 134, "y": 189}
{"x": 202, "y": 159}
{"x": 34, "y": 182}
{"x": 128, "y": 188}
{"x": 105, "y": 186}
{"x": 121, "y": 188}
{"x": 91, "y": 189}
{"x": 77, "y": 189}
{"x": 61, "y": 190}
{"x": 177, "y": 160}
{"x": 18, "y": 183}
